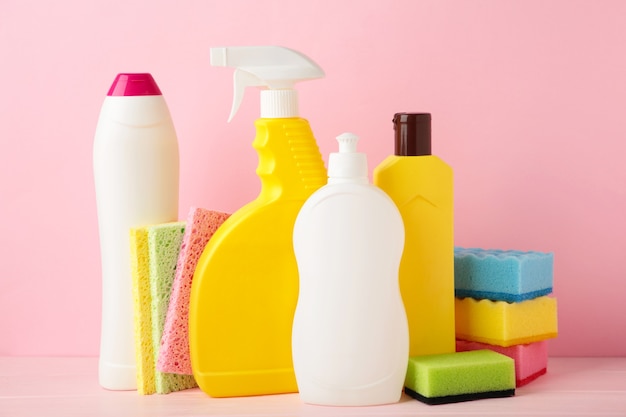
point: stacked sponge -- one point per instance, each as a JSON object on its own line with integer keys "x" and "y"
{"x": 503, "y": 304}
{"x": 154, "y": 253}
{"x": 163, "y": 259}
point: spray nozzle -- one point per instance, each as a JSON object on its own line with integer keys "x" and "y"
{"x": 274, "y": 68}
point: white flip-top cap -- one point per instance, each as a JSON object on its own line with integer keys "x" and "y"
{"x": 272, "y": 67}
{"x": 347, "y": 165}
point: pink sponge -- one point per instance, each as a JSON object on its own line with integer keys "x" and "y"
{"x": 531, "y": 360}
{"x": 174, "y": 352}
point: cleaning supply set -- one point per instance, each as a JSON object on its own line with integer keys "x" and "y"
{"x": 502, "y": 320}
{"x": 326, "y": 284}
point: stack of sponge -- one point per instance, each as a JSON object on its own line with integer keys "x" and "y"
{"x": 154, "y": 252}
{"x": 163, "y": 259}
{"x": 503, "y": 303}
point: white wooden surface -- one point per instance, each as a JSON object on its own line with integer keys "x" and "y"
{"x": 69, "y": 387}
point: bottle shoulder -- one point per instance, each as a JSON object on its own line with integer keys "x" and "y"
{"x": 259, "y": 219}
{"x": 347, "y": 191}
{"x": 350, "y": 203}
{"x": 409, "y": 180}
{"x": 135, "y": 111}
{"x": 415, "y": 164}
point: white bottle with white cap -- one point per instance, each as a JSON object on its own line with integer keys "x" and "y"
{"x": 350, "y": 338}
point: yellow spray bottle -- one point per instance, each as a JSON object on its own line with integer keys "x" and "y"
{"x": 245, "y": 287}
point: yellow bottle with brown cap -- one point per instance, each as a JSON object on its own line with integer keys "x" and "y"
{"x": 421, "y": 185}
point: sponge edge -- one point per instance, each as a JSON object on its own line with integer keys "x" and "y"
{"x": 531, "y": 360}
{"x": 503, "y": 324}
{"x": 140, "y": 267}
{"x": 456, "y": 377}
{"x": 174, "y": 351}
{"x": 503, "y": 275}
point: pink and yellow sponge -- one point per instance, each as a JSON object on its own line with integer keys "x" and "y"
{"x": 531, "y": 360}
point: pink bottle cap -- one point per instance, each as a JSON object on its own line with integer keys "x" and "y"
{"x": 134, "y": 85}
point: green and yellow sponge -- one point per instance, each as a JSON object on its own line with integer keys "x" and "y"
{"x": 154, "y": 254}
{"x": 463, "y": 376}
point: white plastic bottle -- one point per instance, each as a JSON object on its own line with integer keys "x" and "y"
{"x": 350, "y": 339}
{"x": 135, "y": 159}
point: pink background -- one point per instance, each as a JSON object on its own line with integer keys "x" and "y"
{"x": 528, "y": 101}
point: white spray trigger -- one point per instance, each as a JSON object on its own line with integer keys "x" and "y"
{"x": 273, "y": 67}
{"x": 241, "y": 80}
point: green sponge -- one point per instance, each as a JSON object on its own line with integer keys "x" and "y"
{"x": 463, "y": 376}
{"x": 164, "y": 242}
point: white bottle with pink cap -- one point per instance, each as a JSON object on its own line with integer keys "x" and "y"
{"x": 136, "y": 169}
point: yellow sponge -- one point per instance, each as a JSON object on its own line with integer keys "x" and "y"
{"x": 144, "y": 354}
{"x": 154, "y": 253}
{"x": 506, "y": 324}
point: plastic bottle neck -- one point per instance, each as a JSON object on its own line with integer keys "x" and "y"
{"x": 290, "y": 163}
{"x": 412, "y": 134}
{"x": 347, "y": 165}
{"x": 279, "y": 104}
{"x": 353, "y": 180}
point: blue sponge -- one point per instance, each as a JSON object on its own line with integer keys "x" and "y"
{"x": 502, "y": 275}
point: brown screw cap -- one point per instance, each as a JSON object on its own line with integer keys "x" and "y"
{"x": 412, "y": 134}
